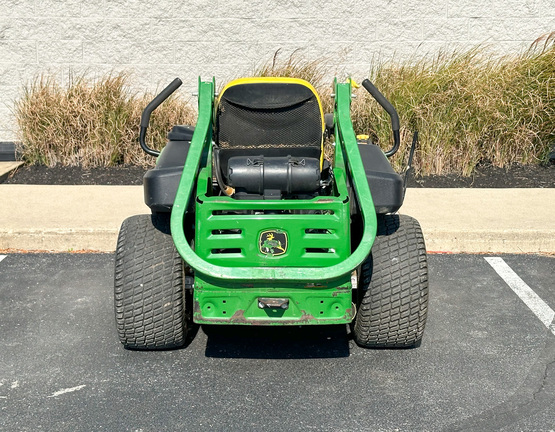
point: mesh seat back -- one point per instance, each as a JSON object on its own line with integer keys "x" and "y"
{"x": 277, "y": 118}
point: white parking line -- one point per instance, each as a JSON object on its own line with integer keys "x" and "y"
{"x": 2, "y": 257}
{"x": 526, "y": 294}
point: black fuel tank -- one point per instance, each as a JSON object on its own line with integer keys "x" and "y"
{"x": 289, "y": 175}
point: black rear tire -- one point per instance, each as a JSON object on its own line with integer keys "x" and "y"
{"x": 149, "y": 294}
{"x": 393, "y": 287}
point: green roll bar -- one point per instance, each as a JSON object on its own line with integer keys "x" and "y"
{"x": 202, "y": 137}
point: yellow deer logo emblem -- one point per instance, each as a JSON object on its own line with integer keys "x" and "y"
{"x": 273, "y": 242}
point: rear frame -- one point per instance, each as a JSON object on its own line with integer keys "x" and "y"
{"x": 228, "y": 287}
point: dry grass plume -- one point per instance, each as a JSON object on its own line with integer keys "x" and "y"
{"x": 91, "y": 123}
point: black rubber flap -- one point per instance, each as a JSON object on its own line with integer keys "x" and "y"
{"x": 268, "y": 95}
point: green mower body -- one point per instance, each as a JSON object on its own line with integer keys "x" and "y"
{"x": 233, "y": 271}
{"x": 256, "y": 253}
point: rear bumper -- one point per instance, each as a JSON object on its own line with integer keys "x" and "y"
{"x": 242, "y": 306}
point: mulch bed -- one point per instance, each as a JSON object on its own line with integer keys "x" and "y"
{"x": 488, "y": 176}
{"x": 485, "y": 176}
{"x": 75, "y": 175}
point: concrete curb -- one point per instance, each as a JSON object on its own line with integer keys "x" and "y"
{"x": 485, "y": 220}
{"x": 67, "y": 218}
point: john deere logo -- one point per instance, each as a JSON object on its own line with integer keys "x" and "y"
{"x": 273, "y": 242}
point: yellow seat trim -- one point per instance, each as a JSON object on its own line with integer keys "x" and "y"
{"x": 280, "y": 80}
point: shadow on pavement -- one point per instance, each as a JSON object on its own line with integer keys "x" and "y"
{"x": 277, "y": 342}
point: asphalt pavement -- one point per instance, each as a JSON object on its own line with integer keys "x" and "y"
{"x": 487, "y": 362}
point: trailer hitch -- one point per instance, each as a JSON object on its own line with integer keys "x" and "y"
{"x": 273, "y": 303}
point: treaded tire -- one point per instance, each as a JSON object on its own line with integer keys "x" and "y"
{"x": 393, "y": 287}
{"x": 149, "y": 295}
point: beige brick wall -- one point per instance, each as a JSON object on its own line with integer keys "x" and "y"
{"x": 158, "y": 40}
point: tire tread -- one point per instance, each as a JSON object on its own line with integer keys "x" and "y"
{"x": 394, "y": 282}
{"x": 148, "y": 285}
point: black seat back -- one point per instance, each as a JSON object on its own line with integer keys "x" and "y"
{"x": 268, "y": 117}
